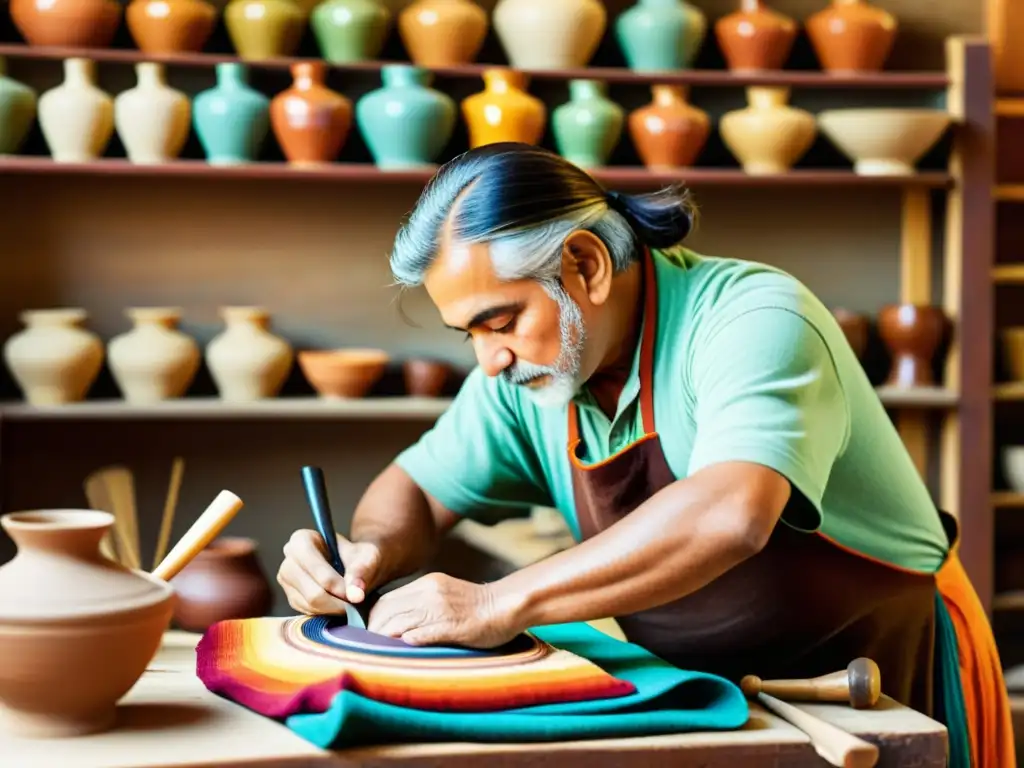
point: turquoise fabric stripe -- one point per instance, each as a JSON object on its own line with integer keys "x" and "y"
{"x": 667, "y": 700}
{"x": 950, "y": 709}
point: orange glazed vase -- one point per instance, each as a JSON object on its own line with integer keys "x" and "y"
{"x": 67, "y": 23}
{"x": 669, "y": 132}
{"x": 170, "y": 26}
{"x": 852, "y": 36}
{"x": 503, "y": 110}
{"x": 755, "y": 37}
{"x": 443, "y": 33}
{"x": 310, "y": 121}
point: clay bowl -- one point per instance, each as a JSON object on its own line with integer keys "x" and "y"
{"x": 425, "y": 378}
{"x": 339, "y": 373}
{"x": 1013, "y": 467}
{"x": 1013, "y": 352}
{"x": 884, "y": 142}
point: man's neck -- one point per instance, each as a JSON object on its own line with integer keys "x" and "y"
{"x": 625, "y": 321}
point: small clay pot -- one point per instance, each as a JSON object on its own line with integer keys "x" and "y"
{"x": 852, "y": 36}
{"x": 309, "y": 120}
{"x": 341, "y": 373}
{"x": 425, "y": 378}
{"x": 755, "y": 37}
{"x": 855, "y": 328}
{"x": 912, "y": 333}
{"x": 170, "y": 26}
{"x": 668, "y": 132}
{"x": 67, "y": 23}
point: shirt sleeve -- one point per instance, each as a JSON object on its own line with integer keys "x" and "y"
{"x": 477, "y": 456}
{"x": 767, "y": 391}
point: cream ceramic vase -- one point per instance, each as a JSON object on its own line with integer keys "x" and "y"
{"x": 154, "y": 360}
{"x": 53, "y": 359}
{"x": 246, "y": 360}
{"x": 152, "y": 118}
{"x": 76, "y": 117}
{"x": 549, "y": 34}
{"x": 768, "y": 136}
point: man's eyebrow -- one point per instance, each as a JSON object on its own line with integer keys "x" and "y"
{"x": 489, "y": 314}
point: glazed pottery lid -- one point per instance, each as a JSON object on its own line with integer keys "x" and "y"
{"x": 59, "y": 574}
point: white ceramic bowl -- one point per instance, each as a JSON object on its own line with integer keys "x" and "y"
{"x": 884, "y": 142}
{"x": 1013, "y": 467}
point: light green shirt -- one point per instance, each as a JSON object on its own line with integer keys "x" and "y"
{"x": 749, "y": 366}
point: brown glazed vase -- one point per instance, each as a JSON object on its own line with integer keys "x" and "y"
{"x": 224, "y": 581}
{"x": 170, "y": 26}
{"x": 425, "y": 378}
{"x": 852, "y": 36}
{"x": 67, "y": 23}
{"x": 669, "y": 132}
{"x": 755, "y": 37}
{"x": 442, "y": 33}
{"x": 912, "y": 333}
{"x": 855, "y": 327}
{"x": 310, "y": 121}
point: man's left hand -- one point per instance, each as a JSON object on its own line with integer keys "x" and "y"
{"x": 438, "y": 609}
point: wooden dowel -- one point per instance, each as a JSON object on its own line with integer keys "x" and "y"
{"x": 833, "y": 744}
{"x": 204, "y": 530}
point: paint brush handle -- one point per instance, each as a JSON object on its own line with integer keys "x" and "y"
{"x": 204, "y": 530}
{"x": 316, "y": 497}
{"x": 834, "y": 745}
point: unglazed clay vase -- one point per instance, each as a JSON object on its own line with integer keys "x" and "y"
{"x": 588, "y": 126}
{"x": 755, "y": 37}
{"x": 17, "y": 111}
{"x": 76, "y": 629}
{"x": 661, "y": 35}
{"x": 855, "y": 328}
{"x": 768, "y": 136}
{"x": 170, "y": 26}
{"x": 247, "y": 361}
{"x": 224, "y": 581}
{"x": 231, "y": 119}
{"x": 67, "y": 23}
{"x": 311, "y": 122}
{"x": 884, "y": 141}
{"x": 549, "y": 34}
{"x": 852, "y": 36}
{"x": 154, "y": 361}
{"x": 152, "y": 118}
{"x": 406, "y": 124}
{"x": 343, "y": 373}
{"x": 503, "y": 110}
{"x": 76, "y": 117}
{"x": 350, "y": 30}
{"x": 443, "y": 33}
{"x": 425, "y": 378}
{"x": 264, "y": 29}
{"x": 669, "y": 132}
{"x": 912, "y": 334}
{"x": 53, "y": 359}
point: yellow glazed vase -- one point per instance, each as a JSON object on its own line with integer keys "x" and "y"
{"x": 264, "y": 29}
{"x": 768, "y": 136}
{"x": 503, "y": 110}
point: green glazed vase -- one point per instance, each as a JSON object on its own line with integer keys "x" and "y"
{"x": 350, "y": 30}
{"x": 660, "y": 35}
{"x": 231, "y": 119}
{"x": 406, "y": 123}
{"x": 17, "y": 112}
{"x": 588, "y": 126}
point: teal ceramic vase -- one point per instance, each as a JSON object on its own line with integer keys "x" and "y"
{"x": 231, "y": 119}
{"x": 406, "y": 123}
{"x": 588, "y": 126}
{"x": 350, "y": 30}
{"x": 660, "y": 35}
{"x": 17, "y": 112}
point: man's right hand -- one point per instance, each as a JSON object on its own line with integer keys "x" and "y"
{"x": 310, "y": 582}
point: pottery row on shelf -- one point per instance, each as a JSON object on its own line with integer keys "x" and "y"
{"x": 653, "y": 35}
{"x": 407, "y": 124}
{"x": 55, "y": 360}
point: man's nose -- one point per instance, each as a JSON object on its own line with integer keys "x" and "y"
{"x": 494, "y": 357}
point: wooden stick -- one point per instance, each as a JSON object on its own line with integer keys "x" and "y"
{"x": 204, "y": 530}
{"x": 833, "y": 744}
{"x": 170, "y": 504}
{"x": 859, "y": 685}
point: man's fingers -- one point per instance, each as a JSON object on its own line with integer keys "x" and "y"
{"x": 362, "y": 562}
{"x": 305, "y": 550}
{"x": 312, "y": 596}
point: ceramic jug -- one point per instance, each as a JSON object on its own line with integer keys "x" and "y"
{"x": 503, "y": 110}
{"x": 311, "y": 122}
{"x": 660, "y": 35}
{"x": 152, "y": 118}
{"x": 912, "y": 334}
{"x": 67, "y": 23}
{"x": 350, "y": 30}
{"x": 405, "y": 124}
{"x": 17, "y": 111}
{"x": 264, "y": 29}
{"x": 247, "y": 361}
{"x": 549, "y": 34}
{"x": 852, "y": 36}
{"x": 76, "y": 117}
{"x": 53, "y": 360}
{"x": 768, "y": 136}
{"x": 231, "y": 119}
{"x": 588, "y": 126}
{"x": 755, "y": 37}
{"x": 154, "y": 360}
{"x": 669, "y": 132}
{"x": 443, "y": 33}
{"x": 170, "y": 26}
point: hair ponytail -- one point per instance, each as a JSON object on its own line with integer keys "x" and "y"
{"x": 660, "y": 219}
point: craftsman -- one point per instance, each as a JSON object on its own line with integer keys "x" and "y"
{"x": 742, "y": 501}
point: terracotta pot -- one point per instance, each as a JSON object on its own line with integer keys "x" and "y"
{"x": 170, "y": 26}
{"x": 503, "y": 110}
{"x": 855, "y": 327}
{"x": 76, "y": 630}
{"x": 247, "y": 361}
{"x": 341, "y": 373}
{"x": 912, "y": 333}
{"x": 549, "y": 34}
{"x": 1013, "y": 352}
{"x": 310, "y": 121}
{"x": 669, "y": 132}
{"x": 443, "y": 33}
{"x": 152, "y": 119}
{"x": 755, "y": 37}
{"x": 852, "y": 36}
{"x": 264, "y": 29}
{"x": 76, "y": 117}
{"x": 425, "y": 378}
{"x": 67, "y": 23}
{"x": 224, "y": 581}
{"x": 768, "y": 136}
{"x": 154, "y": 361}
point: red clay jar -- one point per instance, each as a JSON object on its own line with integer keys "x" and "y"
{"x": 855, "y": 328}
{"x": 425, "y": 378}
{"x": 309, "y": 120}
{"x": 852, "y": 36}
{"x": 669, "y": 132}
{"x": 342, "y": 373}
{"x": 912, "y": 333}
{"x": 755, "y": 37}
{"x": 170, "y": 26}
{"x": 67, "y": 23}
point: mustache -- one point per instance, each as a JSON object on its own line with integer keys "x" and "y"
{"x": 523, "y": 373}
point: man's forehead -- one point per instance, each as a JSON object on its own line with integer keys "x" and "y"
{"x": 462, "y": 268}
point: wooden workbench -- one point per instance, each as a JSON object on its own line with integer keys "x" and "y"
{"x": 169, "y": 720}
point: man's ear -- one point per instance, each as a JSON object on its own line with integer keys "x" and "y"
{"x": 586, "y": 261}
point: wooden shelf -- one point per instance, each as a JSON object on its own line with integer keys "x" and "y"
{"x": 1010, "y": 107}
{"x": 1007, "y": 499}
{"x": 721, "y": 78}
{"x": 1009, "y": 193}
{"x": 1009, "y": 391}
{"x": 1008, "y": 601}
{"x": 918, "y": 397}
{"x": 1008, "y": 274}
